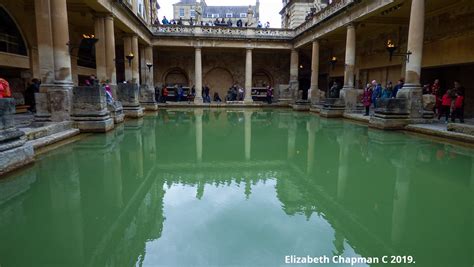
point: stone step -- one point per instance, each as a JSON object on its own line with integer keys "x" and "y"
{"x": 53, "y": 138}
{"x": 37, "y": 132}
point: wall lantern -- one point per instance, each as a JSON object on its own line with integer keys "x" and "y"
{"x": 88, "y": 39}
{"x": 130, "y": 58}
{"x": 149, "y": 65}
{"x": 333, "y": 62}
{"x": 391, "y": 48}
{"x": 301, "y": 66}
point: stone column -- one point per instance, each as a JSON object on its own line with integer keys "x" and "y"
{"x": 143, "y": 68}
{"x": 313, "y": 94}
{"x": 348, "y": 93}
{"x": 62, "y": 60}
{"x": 149, "y": 59}
{"x": 248, "y": 76}
{"x": 136, "y": 60}
{"x": 100, "y": 51}
{"x": 127, "y": 49}
{"x": 110, "y": 50}
{"x": 44, "y": 34}
{"x": 311, "y": 128}
{"x": 198, "y": 117}
{"x": 248, "y": 133}
{"x": 198, "y": 76}
{"x": 412, "y": 89}
{"x": 294, "y": 65}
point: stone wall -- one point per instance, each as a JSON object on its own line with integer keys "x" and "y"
{"x": 221, "y": 68}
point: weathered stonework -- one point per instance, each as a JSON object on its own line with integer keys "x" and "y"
{"x": 89, "y": 109}
{"x": 147, "y": 98}
{"x": 391, "y": 114}
{"x": 128, "y": 95}
{"x": 14, "y": 152}
{"x": 351, "y": 99}
{"x": 333, "y": 108}
{"x": 461, "y": 128}
{"x": 116, "y": 111}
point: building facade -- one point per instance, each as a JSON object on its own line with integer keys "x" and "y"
{"x": 186, "y": 9}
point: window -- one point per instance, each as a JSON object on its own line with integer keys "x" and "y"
{"x": 209, "y": 15}
{"x": 11, "y": 40}
{"x": 181, "y": 12}
{"x": 228, "y": 15}
{"x": 141, "y": 8}
{"x": 243, "y": 15}
{"x": 215, "y": 15}
{"x": 192, "y": 14}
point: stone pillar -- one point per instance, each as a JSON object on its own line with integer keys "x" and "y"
{"x": 248, "y": 133}
{"x": 147, "y": 89}
{"x": 44, "y": 34}
{"x": 348, "y": 93}
{"x": 100, "y": 51}
{"x": 127, "y": 49}
{"x": 198, "y": 76}
{"x": 62, "y": 60}
{"x": 313, "y": 94}
{"x": 248, "y": 76}
{"x": 198, "y": 117}
{"x": 400, "y": 201}
{"x": 412, "y": 89}
{"x": 136, "y": 60}
{"x": 110, "y": 51}
{"x": 294, "y": 65}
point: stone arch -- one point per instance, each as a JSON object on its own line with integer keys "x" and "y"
{"x": 12, "y": 39}
{"x": 175, "y": 76}
{"x": 219, "y": 80}
{"x": 262, "y": 78}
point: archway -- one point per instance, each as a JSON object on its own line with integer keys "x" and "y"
{"x": 11, "y": 39}
{"x": 176, "y": 76}
{"x": 219, "y": 80}
{"x": 262, "y": 78}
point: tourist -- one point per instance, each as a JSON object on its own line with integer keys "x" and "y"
{"x": 165, "y": 21}
{"x": 397, "y": 87}
{"x": 377, "y": 93}
{"x": 436, "y": 91}
{"x": 216, "y": 22}
{"x": 223, "y": 23}
{"x": 164, "y": 94}
{"x": 387, "y": 91}
{"x": 241, "y": 94}
{"x": 108, "y": 93}
{"x": 191, "y": 94}
{"x": 239, "y": 23}
{"x": 157, "y": 94}
{"x": 30, "y": 94}
{"x": 234, "y": 93}
{"x": 259, "y": 24}
{"x": 180, "y": 21}
{"x": 334, "y": 90}
{"x": 269, "y": 94}
{"x": 445, "y": 105}
{"x": 157, "y": 21}
{"x": 217, "y": 98}
{"x": 180, "y": 93}
{"x": 5, "y": 91}
{"x": 367, "y": 98}
{"x": 229, "y": 23}
{"x": 458, "y": 111}
{"x": 207, "y": 97}
{"x": 191, "y": 21}
{"x": 426, "y": 89}
{"x": 267, "y": 25}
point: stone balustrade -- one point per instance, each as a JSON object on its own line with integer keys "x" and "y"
{"x": 222, "y": 32}
{"x": 334, "y": 8}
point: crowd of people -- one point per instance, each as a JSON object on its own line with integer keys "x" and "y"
{"x": 217, "y": 22}
{"x": 449, "y": 102}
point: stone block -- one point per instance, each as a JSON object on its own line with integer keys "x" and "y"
{"x": 89, "y": 109}
{"x": 413, "y": 94}
{"x": 43, "y": 111}
{"x": 461, "y": 128}
{"x": 116, "y": 111}
{"x": 429, "y": 102}
{"x": 7, "y": 110}
{"x": 128, "y": 94}
{"x": 390, "y": 114}
{"x": 333, "y": 108}
{"x": 351, "y": 98}
{"x": 15, "y": 158}
{"x": 147, "y": 98}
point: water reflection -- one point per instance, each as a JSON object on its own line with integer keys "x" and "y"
{"x": 223, "y": 187}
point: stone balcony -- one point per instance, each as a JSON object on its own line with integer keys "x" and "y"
{"x": 223, "y": 32}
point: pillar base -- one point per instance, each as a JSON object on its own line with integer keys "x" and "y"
{"x": 333, "y": 108}
{"x": 133, "y": 112}
{"x": 414, "y": 95}
{"x": 301, "y": 105}
{"x": 96, "y": 125}
{"x": 351, "y": 98}
{"x": 248, "y": 101}
{"x": 391, "y": 114}
{"x": 116, "y": 112}
{"x": 198, "y": 100}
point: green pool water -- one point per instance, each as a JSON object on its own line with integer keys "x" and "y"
{"x": 240, "y": 188}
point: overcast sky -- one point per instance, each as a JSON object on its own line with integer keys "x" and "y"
{"x": 269, "y": 9}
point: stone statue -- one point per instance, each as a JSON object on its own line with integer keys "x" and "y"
{"x": 249, "y": 16}
{"x": 198, "y": 12}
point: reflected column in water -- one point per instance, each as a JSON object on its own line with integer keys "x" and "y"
{"x": 400, "y": 201}
{"x": 344, "y": 142}
{"x": 291, "y": 138}
{"x": 311, "y": 128}
{"x": 198, "y": 116}
{"x": 248, "y": 133}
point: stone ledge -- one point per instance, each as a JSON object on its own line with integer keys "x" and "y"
{"x": 430, "y": 130}
{"x": 54, "y": 138}
{"x": 461, "y": 128}
{"x": 15, "y": 158}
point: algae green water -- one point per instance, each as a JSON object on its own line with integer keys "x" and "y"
{"x": 241, "y": 188}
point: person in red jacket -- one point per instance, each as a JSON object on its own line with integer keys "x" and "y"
{"x": 445, "y": 105}
{"x": 458, "y": 108}
{"x": 367, "y": 99}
